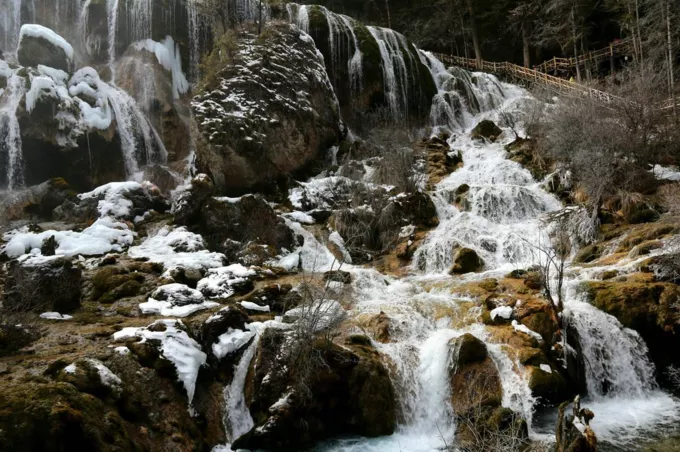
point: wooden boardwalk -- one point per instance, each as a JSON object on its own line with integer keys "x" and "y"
{"x": 591, "y": 59}
{"x": 532, "y": 77}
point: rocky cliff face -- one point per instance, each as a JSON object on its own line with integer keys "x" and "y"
{"x": 273, "y": 112}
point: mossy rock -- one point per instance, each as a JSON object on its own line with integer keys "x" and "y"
{"x": 112, "y": 283}
{"x": 588, "y": 254}
{"x": 57, "y": 417}
{"x": 467, "y": 261}
{"x": 129, "y": 288}
{"x": 550, "y": 387}
{"x": 486, "y": 130}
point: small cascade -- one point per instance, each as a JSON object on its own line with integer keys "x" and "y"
{"x": 299, "y": 15}
{"x": 615, "y": 358}
{"x": 195, "y": 40}
{"x": 10, "y": 134}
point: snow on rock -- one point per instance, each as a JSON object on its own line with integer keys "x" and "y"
{"x": 230, "y": 342}
{"x": 671, "y": 173}
{"x": 33, "y": 49}
{"x": 546, "y": 368}
{"x": 116, "y": 198}
{"x": 107, "y": 377}
{"x": 176, "y": 346}
{"x": 122, "y": 350}
{"x": 290, "y": 262}
{"x": 250, "y": 306}
{"x": 339, "y": 242}
{"x": 175, "y": 300}
{"x": 71, "y": 368}
{"x": 55, "y": 316}
{"x": 300, "y": 217}
{"x": 320, "y": 314}
{"x": 177, "y": 248}
{"x": 504, "y": 312}
{"x": 524, "y": 329}
{"x": 104, "y": 236}
{"x": 223, "y": 282}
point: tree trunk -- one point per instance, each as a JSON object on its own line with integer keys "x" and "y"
{"x": 259, "y": 22}
{"x": 475, "y": 34}
{"x": 671, "y": 62}
{"x": 574, "y": 38}
{"x": 639, "y": 33}
{"x": 389, "y": 17}
{"x": 526, "y": 50}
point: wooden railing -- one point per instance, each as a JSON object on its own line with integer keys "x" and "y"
{"x": 525, "y": 75}
{"x": 567, "y": 65}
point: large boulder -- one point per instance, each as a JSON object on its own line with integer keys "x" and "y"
{"x": 35, "y": 203}
{"x": 226, "y": 222}
{"x": 350, "y": 393}
{"x": 43, "y": 284}
{"x": 40, "y": 45}
{"x": 272, "y": 112}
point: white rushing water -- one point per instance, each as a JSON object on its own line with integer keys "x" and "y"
{"x": 502, "y": 223}
{"x": 10, "y": 134}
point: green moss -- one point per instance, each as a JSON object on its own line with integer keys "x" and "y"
{"x": 57, "y": 417}
{"x": 549, "y": 386}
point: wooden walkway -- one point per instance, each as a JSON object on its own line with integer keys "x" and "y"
{"x": 532, "y": 77}
{"x": 592, "y": 59}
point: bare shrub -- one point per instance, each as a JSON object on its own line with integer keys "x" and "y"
{"x": 670, "y": 198}
{"x": 397, "y": 169}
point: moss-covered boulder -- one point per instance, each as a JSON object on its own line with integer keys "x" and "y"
{"x": 465, "y": 261}
{"x": 280, "y": 114}
{"x": 112, "y": 283}
{"x": 548, "y": 384}
{"x": 350, "y": 394}
{"x": 486, "y": 130}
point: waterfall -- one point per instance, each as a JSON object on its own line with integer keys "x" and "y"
{"x": 10, "y": 23}
{"x": 195, "y": 41}
{"x": 112, "y": 21}
{"x": 10, "y": 134}
{"x": 356, "y": 63}
{"x": 395, "y": 74}
{"x": 140, "y": 19}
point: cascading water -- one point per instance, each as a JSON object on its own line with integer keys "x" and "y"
{"x": 394, "y": 70}
{"x": 10, "y": 134}
{"x": 112, "y": 21}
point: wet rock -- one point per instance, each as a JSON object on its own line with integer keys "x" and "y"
{"x": 43, "y": 284}
{"x": 351, "y": 394}
{"x": 538, "y": 316}
{"x": 162, "y": 177}
{"x": 37, "y": 48}
{"x": 486, "y": 130}
{"x": 475, "y": 381}
{"x": 548, "y": 385}
{"x": 246, "y": 219}
{"x": 279, "y": 297}
{"x": 524, "y": 151}
{"x": 220, "y": 323}
{"x": 338, "y": 276}
{"x": 379, "y": 327}
{"x": 187, "y": 203}
{"x": 573, "y": 432}
{"x": 467, "y": 261}
{"x": 651, "y": 309}
{"x": 35, "y": 203}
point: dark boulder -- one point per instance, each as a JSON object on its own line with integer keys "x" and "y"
{"x": 43, "y": 284}
{"x": 466, "y": 261}
{"x": 486, "y": 130}
{"x": 40, "y": 45}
